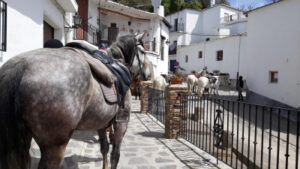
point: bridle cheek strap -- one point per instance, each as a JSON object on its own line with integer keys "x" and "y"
{"x": 139, "y": 61}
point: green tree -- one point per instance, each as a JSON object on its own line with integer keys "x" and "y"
{"x": 193, "y": 5}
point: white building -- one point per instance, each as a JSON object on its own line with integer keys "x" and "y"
{"x": 225, "y": 55}
{"x": 273, "y": 52}
{"x": 192, "y": 27}
{"x": 29, "y": 23}
{"x": 264, "y": 48}
{"x": 196, "y": 35}
{"x": 106, "y": 20}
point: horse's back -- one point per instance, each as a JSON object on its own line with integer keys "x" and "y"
{"x": 203, "y": 81}
{"x": 192, "y": 78}
{"x": 53, "y": 91}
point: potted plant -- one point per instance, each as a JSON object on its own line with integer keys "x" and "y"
{"x": 177, "y": 78}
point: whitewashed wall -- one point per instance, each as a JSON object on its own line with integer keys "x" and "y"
{"x": 274, "y": 45}
{"x": 122, "y": 23}
{"x": 25, "y": 25}
{"x": 200, "y": 25}
{"x": 230, "y": 63}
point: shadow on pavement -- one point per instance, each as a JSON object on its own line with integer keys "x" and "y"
{"x": 86, "y": 136}
{"x": 152, "y": 134}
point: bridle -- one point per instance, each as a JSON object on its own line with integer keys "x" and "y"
{"x": 139, "y": 60}
{"x": 132, "y": 59}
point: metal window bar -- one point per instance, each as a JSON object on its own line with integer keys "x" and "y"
{"x": 3, "y": 25}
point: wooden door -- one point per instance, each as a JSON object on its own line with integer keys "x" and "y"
{"x": 48, "y": 32}
{"x": 82, "y": 31}
{"x": 113, "y": 32}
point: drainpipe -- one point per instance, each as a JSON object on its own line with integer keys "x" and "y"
{"x": 239, "y": 59}
{"x": 204, "y": 53}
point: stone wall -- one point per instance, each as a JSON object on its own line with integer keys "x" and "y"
{"x": 172, "y": 117}
{"x": 144, "y": 95}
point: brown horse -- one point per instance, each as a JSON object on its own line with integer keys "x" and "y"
{"x": 46, "y": 94}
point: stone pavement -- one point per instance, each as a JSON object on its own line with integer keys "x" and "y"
{"x": 144, "y": 147}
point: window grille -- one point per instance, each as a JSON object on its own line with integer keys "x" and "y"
{"x": 3, "y": 25}
{"x": 220, "y": 55}
{"x": 273, "y": 76}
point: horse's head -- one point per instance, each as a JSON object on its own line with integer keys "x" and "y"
{"x": 134, "y": 54}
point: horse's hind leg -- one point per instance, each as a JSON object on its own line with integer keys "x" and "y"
{"x": 119, "y": 132}
{"x": 52, "y": 156}
{"x": 104, "y": 146}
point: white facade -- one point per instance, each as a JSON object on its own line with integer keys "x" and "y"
{"x": 274, "y": 45}
{"x": 196, "y": 26}
{"x": 234, "y": 52}
{"x": 25, "y": 24}
{"x": 129, "y": 21}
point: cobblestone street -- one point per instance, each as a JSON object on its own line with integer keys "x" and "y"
{"x": 144, "y": 147}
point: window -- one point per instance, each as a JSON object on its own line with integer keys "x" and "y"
{"x": 273, "y": 76}
{"x": 173, "y": 48}
{"x": 226, "y": 17}
{"x": 162, "y": 47}
{"x": 154, "y": 45}
{"x": 200, "y": 55}
{"x": 176, "y": 24}
{"x": 220, "y": 55}
{"x": 113, "y": 25}
{"x": 3, "y": 25}
{"x": 186, "y": 58}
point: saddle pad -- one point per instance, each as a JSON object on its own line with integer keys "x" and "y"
{"x": 100, "y": 71}
{"x": 109, "y": 93}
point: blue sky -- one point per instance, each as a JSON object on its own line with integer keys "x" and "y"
{"x": 246, "y": 3}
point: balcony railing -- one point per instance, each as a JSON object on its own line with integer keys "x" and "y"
{"x": 178, "y": 28}
{"x": 230, "y": 18}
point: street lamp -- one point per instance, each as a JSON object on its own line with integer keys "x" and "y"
{"x": 77, "y": 21}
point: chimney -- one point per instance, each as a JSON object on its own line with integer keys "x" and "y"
{"x": 212, "y": 3}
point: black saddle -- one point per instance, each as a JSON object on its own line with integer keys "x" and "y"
{"x": 120, "y": 71}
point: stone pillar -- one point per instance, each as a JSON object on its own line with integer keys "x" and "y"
{"x": 144, "y": 95}
{"x": 172, "y": 109}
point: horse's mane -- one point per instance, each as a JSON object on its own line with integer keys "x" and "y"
{"x": 127, "y": 45}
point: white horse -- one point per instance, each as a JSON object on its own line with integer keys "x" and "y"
{"x": 191, "y": 82}
{"x": 204, "y": 82}
{"x": 159, "y": 82}
{"x": 214, "y": 85}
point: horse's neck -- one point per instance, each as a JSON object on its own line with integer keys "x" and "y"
{"x": 116, "y": 53}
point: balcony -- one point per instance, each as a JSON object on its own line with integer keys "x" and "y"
{"x": 229, "y": 18}
{"x": 177, "y": 27}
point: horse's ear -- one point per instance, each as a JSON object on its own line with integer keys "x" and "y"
{"x": 140, "y": 36}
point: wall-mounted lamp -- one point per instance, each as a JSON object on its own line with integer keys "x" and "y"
{"x": 167, "y": 42}
{"x": 77, "y": 21}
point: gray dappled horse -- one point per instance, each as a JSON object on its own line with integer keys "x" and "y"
{"x": 46, "y": 94}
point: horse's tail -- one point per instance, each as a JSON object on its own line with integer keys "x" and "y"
{"x": 14, "y": 137}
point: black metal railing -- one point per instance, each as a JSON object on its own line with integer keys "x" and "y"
{"x": 156, "y": 104}
{"x": 3, "y": 25}
{"x": 240, "y": 134}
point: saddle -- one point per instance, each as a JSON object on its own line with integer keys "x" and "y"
{"x": 121, "y": 74}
